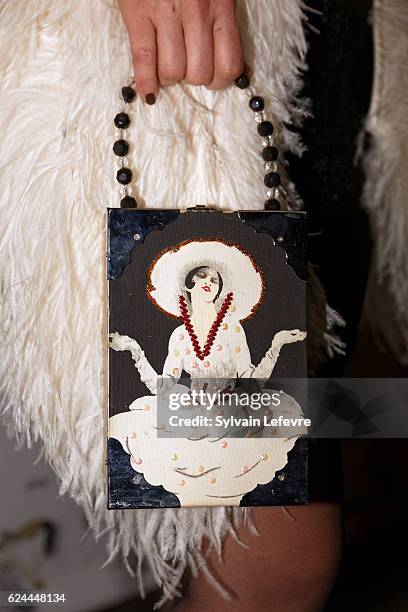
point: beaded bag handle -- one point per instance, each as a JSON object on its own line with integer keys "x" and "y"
{"x": 269, "y": 153}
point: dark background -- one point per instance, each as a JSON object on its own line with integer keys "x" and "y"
{"x": 328, "y": 176}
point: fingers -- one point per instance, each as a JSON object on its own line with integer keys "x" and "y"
{"x": 144, "y": 56}
{"x": 192, "y": 40}
{"x": 198, "y": 38}
{"x": 228, "y": 55}
{"x": 142, "y": 38}
{"x": 172, "y": 61}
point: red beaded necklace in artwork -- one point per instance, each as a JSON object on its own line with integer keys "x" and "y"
{"x": 201, "y": 354}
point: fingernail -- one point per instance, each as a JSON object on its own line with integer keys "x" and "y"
{"x": 150, "y": 98}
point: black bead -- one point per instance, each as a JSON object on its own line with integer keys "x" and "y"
{"x": 128, "y": 202}
{"x": 124, "y": 176}
{"x": 128, "y": 94}
{"x": 270, "y": 153}
{"x": 272, "y": 204}
{"x": 122, "y": 120}
{"x": 265, "y": 128}
{"x": 272, "y": 179}
{"x": 256, "y": 104}
{"x": 242, "y": 81}
{"x": 121, "y": 148}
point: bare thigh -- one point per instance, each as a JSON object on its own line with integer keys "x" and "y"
{"x": 293, "y": 562}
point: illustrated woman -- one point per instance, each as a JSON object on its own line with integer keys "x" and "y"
{"x": 212, "y": 286}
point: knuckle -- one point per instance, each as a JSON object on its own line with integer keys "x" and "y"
{"x": 232, "y": 69}
{"x": 143, "y": 55}
{"x": 200, "y": 8}
{"x": 226, "y": 12}
{"x": 170, "y": 77}
{"x": 171, "y": 73}
{"x": 199, "y": 79}
{"x": 207, "y": 80}
{"x": 145, "y": 83}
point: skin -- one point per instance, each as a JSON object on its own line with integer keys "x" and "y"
{"x": 291, "y": 566}
{"x": 195, "y": 41}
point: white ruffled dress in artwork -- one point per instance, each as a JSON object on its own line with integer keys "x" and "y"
{"x": 209, "y": 469}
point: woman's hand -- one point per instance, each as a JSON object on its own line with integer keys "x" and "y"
{"x": 196, "y": 41}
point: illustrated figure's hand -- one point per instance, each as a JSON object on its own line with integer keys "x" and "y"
{"x": 124, "y": 343}
{"x": 286, "y": 337}
{"x": 196, "y": 41}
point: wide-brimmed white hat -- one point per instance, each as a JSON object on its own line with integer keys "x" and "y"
{"x": 240, "y": 275}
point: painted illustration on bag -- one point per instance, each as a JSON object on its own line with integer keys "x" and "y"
{"x": 213, "y": 287}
